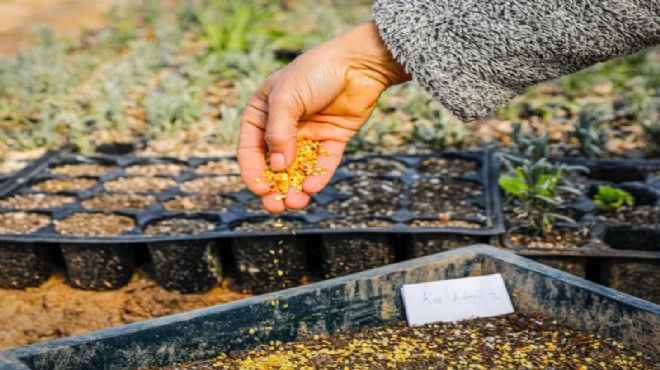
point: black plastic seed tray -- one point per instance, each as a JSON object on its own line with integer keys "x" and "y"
{"x": 350, "y": 303}
{"x": 623, "y": 248}
{"x": 432, "y": 201}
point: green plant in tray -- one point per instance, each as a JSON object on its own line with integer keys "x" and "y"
{"x": 591, "y": 137}
{"x": 613, "y": 198}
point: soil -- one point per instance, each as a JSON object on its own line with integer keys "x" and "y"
{"x": 371, "y": 197}
{"x": 54, "y": 186}
{"x": 354, "y": 224}
{"x": 214, "y": 184}
{"x": 447, "y": 167}
{"x": 376, "y": 167}
{"x": 140, "y": 184}
{"x": 55, "y": 310}
{"x": 199, "y": 203}
{"x": 270, "y": 225}
{"x": 75, "y": 170}
{"x": 513, "y": 341}
{"x": 94, "y": 224}
{"x": 117, "y": 202}
{"x": 172, "y": 169}
{"x": 433, "y": 196}
{"x": 445, "y": 223}
{"x": 558, "y": 237}
{"x": 637, "y": 215}
{"x": 35, "y": 201}
{"x": 218, "y": 168}
{"x": 22, "y": 222}
{"x": 180, "y": 226}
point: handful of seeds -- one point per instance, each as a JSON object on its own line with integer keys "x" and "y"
{"x": 304, "y": 165}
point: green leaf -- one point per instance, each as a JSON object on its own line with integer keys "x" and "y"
{"x": 512, "y": 185}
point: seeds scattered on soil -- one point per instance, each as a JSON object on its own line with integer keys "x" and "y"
{"x": 199, "y": 203}
{"x": 180, "y": 226}
{"x": 370, "y": 197}
{"x": 270, "y": 225}
{"x": 116, "y": 202}
{"x": 637, "y": 215}
{"x": 94, "y": 224}
{"x": 214, "y": 184}
{"x": 256, "y": 206}
{"x": 445, "y": 223}
{"x": 304, "y": 165}
{"x": 22, "y": 222}
{"x": 218, "y": 168}
{"x": 140, "y": 184}
{"x": 354, "y": 223}
{"x": 377, "y": 167}
{"x": 443, "y": 195}
{"x": 54, "y": 186}
{"x": 516, "y": 341}
{"x": 556, "y": 238}
{"x": 172, "y": 169}
{"x": 35, "y": 201}
{"x": 91, "y": 169}
{"x": 447, "y": 167}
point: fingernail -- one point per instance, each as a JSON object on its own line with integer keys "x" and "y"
{"x": 277, "y": 162}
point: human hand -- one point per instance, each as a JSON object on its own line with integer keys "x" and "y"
{"x": 324, "y": 95}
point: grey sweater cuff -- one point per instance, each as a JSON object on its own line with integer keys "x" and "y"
{"x": 475, "y": 55}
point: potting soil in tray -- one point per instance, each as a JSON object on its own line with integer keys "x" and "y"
{"x": 126, "y": 200}
{"x": 517, "y": 341}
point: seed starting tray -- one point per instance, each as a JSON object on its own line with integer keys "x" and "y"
{"x": 490, "y": 221}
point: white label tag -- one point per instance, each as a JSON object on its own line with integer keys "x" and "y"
{"x": 455, "y": 300}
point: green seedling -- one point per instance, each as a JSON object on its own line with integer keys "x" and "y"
{"x": 613, "y": 198}
{"x": 527, "y": 146}
{"x": 587, "y": 131}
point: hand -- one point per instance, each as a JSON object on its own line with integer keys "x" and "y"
{"x": 324, "y": 95}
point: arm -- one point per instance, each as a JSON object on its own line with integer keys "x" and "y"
{"x": 474, "y": 55}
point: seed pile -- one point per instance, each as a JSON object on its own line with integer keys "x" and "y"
{"x": 94, "y": 224}
{"x": 35, "y": 201}
{"x": 22, "y": 222}
{"x": 517, "y": 341}
{"x": 304, "y": 165}
{"x": 54, "y": 186}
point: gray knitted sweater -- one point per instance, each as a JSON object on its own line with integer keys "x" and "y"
{"x": 474, "y": 55}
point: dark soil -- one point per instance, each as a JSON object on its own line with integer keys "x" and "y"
{"x": 75, "y": 170}
{"x": 94, "y": 224}
{"x": 214, "y": 184}
{"x": 117, "y": 202}
{"x": 218, "y": 168}
{"x": 199, "y": 203}
{"x": 35, "y": 201}
{"x": 349, "y": 223}
{"x": 180, "y": 226}
{"x": 637, "y": 215}
{"x": 376, "y": 167}
{"x": 54, "y": 186}
{"x": 370, "y": 197}
{"x": 445, "y": 196}
{"x": 270, "y": 225}
{"x": 559, "y": 237}
{"x": 22, "y": 222}
{"x": 447, "y": 167}
{"x": 172, "y": 169}
{"x": 140, "y": 184}
{"x": 514, "y": 341}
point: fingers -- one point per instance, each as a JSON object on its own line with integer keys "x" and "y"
{"x": 251, "y": 149}
{"x": 281, "y": 129}
{"x": 328, "y": 159}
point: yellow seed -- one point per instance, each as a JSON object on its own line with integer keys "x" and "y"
{"x": 257, "y": 180}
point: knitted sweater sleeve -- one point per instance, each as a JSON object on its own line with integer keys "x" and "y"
{"x": 474, "y": 55}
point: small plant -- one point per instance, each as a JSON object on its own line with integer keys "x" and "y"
{"x": 613, "y": 198}
{"x": 591, "y": 138}
{"x": 527, "y": 146}
{"x": 535, "y": 186}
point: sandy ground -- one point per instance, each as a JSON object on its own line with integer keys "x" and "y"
{"x": 56, "y": 310}
{"x": 19, "y": 19}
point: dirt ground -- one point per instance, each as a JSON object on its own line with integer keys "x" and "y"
{"x": 56, "y": 310}
{"x": 19, "y": 19}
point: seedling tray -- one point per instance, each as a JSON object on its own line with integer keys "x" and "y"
{"x": 401, "y": 178}
{"x": 350, "y": 303}
{"x": 622, "y": 255}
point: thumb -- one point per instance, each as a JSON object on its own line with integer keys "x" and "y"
{"x": 281, "y": 133}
